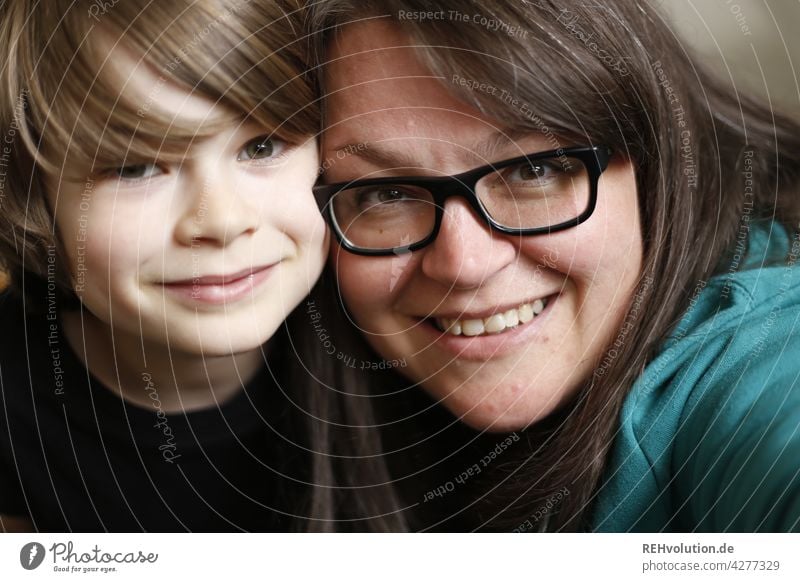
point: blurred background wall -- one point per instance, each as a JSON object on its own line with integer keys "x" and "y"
{"x": 753, "y": 43}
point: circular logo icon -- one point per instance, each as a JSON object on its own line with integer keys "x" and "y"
{"x": 31, "y": 555}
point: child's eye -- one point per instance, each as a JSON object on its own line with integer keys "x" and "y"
{"x": 136, "y": 172}
{"x": 262, "y": 148}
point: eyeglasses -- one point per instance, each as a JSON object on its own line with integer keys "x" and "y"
{"x": 534, "y": 194}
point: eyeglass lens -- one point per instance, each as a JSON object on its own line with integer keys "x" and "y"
{"x": 532, "y": 194}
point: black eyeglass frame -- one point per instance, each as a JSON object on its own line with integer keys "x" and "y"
{"x": 594, "y": 158}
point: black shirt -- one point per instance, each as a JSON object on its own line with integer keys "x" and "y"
{"x": 76, "y": 457}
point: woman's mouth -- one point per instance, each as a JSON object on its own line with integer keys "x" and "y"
{"x": 493, "y": 324}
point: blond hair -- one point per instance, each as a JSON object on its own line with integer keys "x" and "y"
{"x": 55, "y": 101}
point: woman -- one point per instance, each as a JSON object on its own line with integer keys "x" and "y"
{"x": 580, "y": 245}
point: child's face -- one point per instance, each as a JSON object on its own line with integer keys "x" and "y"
{"x": 209, "y": 255}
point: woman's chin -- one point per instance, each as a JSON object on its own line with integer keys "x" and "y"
{"x": 488, "y": 417}
{"x": 509, "y": 407}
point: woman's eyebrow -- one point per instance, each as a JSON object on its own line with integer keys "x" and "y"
{"x": 504, "y": 139}
{"x": 377, "y": 155}
{"x": 485, "y": 150}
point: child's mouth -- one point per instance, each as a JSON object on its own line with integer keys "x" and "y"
{"x": 220, "y": 289}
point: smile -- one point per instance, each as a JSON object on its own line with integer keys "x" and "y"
{"x": 220, "y": 289}
{"x": 494, "y": 324}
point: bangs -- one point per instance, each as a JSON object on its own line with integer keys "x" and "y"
{"x": 544, "y": 76}
{"x": 243, "y": 57}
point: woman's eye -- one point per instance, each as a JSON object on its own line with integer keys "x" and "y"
{"x": 529, "y": 172}
{"x": 137, "y": 171}
{"x": 370, "y": 197}
{"x": 262, "y": 148}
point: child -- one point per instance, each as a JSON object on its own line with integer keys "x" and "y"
{"x": 158, "y": 227}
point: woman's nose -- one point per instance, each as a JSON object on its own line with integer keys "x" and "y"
{"x": 466, "y": 252}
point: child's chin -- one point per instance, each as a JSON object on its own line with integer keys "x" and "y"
{"x": 241, "y": 346}
{"x": 220, "y": 344}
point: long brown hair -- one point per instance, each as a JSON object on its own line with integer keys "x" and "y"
{"x": 609, "y": 73}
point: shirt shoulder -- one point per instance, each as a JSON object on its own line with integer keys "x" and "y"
{"x": 737, "y": 442}
{"x": 14, "y": 382}
{"x": 710, "y": 432}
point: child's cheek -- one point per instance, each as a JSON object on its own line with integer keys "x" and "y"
{"x": 109, "y": 243}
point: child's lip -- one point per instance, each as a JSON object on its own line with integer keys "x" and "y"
{"x": 220, "y": 279}
{"x": 230, "y": 288}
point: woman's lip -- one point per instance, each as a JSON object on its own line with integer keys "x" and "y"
{"x": 220, "y": 293}
{"x": 481, "y": 348}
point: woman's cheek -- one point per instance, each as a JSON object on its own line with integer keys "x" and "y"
{"x": 363, "y": 282}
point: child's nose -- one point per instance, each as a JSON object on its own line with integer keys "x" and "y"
{"x": 214, "y": 211}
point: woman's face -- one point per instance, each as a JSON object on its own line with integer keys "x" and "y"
{"x": 387, "y": 115}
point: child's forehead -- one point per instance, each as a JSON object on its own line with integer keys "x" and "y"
{"x": 142, "y": 85}
{"x": 133, "y": 95}
{"x": 133, "y": 110}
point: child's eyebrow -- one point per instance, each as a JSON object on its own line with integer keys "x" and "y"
{"x": 177, "y": 143}
{"x": 209, "y": 125}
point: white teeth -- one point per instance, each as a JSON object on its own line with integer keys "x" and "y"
{"x": 496, "y": 323}
{"x": 525, "y": 313}
{"x": 512, "y": 317}
{"x": 472, "y": 327}
{"x": 453, "y": 326}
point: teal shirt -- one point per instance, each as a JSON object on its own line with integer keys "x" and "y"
{"x": 709, "y": 436}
